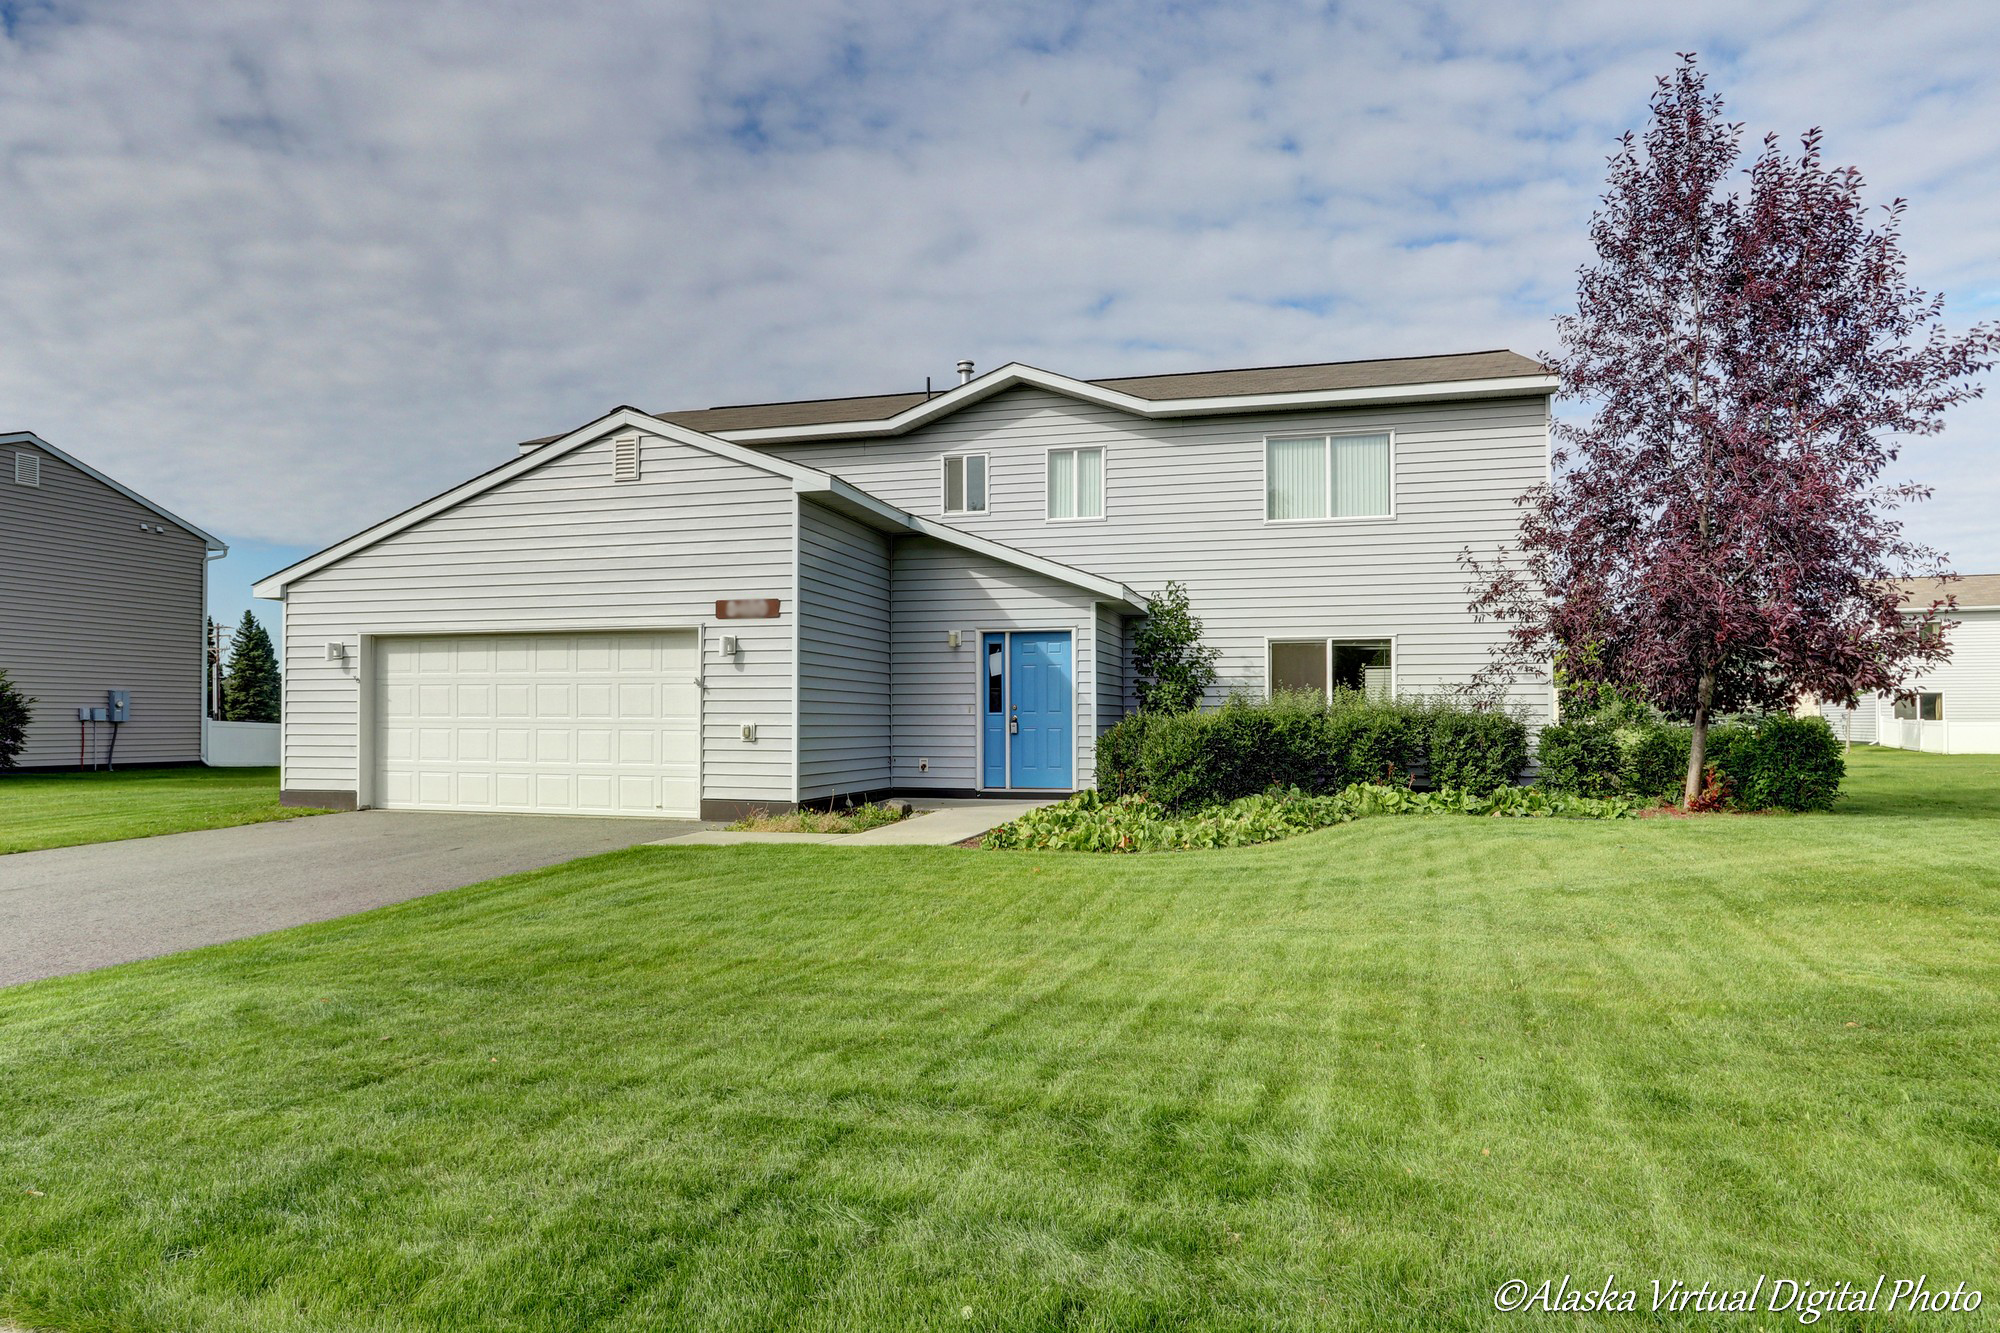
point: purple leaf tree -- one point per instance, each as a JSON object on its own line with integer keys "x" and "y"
{"x": 1717, "y": 536}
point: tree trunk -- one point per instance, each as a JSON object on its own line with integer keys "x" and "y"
{"x": 1698, "y": 750}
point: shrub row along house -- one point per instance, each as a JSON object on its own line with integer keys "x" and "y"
{"x": 1955, "y": 707}
{"x": 696, "y": 613}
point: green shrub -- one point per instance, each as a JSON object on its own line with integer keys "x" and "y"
{"x": 1185, "y": 760}
{"x": 1656, "y": 759}
{"x": 1088, "y": 822}
{"x": 1179, "y": 763}
{"x": 1580, "y": 758}
{"x": 1377, "y": 743}
{"x": 1783, "y": 763}
{"x": 1118, "y": 768}
{"x": 16, "y": 712}
{"x": 1478, "y": 752}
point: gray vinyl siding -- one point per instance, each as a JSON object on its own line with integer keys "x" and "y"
{"x": 1113, "y": 675}
{"x": 1184, "y": 499}
{"x": 938, "y": 588}
{"x": 90, "y": 603}
{"x": 560, "y": 547}
{"x": 844, "y": 731}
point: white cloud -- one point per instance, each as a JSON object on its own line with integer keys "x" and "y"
{"x": 289, "y": 269}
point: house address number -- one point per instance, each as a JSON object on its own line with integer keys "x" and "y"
{"x": 746, "y": 608}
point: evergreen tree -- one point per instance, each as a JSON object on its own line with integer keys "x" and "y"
{"x": 250, "y": 692}
{"x": 15, "y": 714}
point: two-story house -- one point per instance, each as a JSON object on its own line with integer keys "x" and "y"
{"x": 709, "y": 611}
{"x": 102, "y": 611}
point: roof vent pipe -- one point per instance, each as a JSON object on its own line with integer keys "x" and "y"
{"x": 964, "y": 371}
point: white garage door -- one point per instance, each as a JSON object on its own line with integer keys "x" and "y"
{"x": 579, "y": 724}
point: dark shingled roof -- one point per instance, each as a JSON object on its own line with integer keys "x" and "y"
{"x": 1969, "y": 589}
{"x": 1318, "y": 376}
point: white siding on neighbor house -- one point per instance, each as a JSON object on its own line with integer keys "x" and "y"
{"x": 938, "y": 588}
{"x": 1856, "y": 725}
{"x": 1970, "y": 684}
{"x": 844, "y": 732}
{"x": 90, "y": 603}
{"x": 564, "y": 546}
{"x": 1184, "y": 499}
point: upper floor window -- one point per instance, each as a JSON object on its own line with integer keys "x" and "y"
{"x": 1076, "y": 483}
{"x": 965, "y": 484}
{"x": 1327, "y": 476}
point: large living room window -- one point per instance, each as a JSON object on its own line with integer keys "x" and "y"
{"x": 1319, "y": 477}
{"x": 1076, "y": 483}
{"x": 965, "y": 484}
{"x": 1321, "y": 666}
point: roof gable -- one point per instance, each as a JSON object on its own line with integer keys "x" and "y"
{"x": 822, "y": 487}
{"x": 29, "y": 437}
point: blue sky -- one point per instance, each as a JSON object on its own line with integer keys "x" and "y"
{"x": 288, "y": 269}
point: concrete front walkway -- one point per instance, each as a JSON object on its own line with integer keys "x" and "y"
{"x": 936, "y": 823}
{"x": 69, "y": 909}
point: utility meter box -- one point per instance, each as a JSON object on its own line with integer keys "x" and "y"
{"x": 118, "y": 704}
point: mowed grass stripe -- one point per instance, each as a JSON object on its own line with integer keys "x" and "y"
{"x": 1349, "y": 1081}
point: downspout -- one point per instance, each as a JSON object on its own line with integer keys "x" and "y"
{"x": 206, "y": 666}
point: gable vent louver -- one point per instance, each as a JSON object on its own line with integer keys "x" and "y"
{"x": 625, "y": 458}
{"x": 27, "y": 470}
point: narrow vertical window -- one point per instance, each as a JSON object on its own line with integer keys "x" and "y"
{"x": 1076, "y": 483}
{"x": 1295, "y": 479}
{"x": 965, "y": 484}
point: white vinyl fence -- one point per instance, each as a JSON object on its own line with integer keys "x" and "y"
{"x": 240, "y": 744}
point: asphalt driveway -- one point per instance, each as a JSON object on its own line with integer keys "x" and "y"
{"x": 70, "y": 909}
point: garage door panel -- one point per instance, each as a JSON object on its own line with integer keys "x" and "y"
{"x": 558, "y": 723}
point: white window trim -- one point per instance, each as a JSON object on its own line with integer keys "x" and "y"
{"x": 1103, "y": 481}
{"x": 944, "y": 489}
{"x": 1329, "y": 638}
{"x": 1327, "y": 438}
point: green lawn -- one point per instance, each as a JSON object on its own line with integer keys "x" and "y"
{"x": 63, "y": 809}
{"x": 1351, "y": 1081}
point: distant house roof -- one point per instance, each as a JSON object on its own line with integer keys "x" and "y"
{"x": 1969, "y": 589}
{"x": 1316, "y": 377}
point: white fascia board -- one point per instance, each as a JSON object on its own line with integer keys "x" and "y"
{"x": 889, "y": 518}
{"x": 1008, "y": 376}
{"x": 623, "y": 418}
{"x": 29, "y": 437}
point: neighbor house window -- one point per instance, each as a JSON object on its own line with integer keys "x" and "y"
{"x": 965, "y": 484}
{"x": 1326, "y": 476}
{"x": 1924, "y": 707}
{"x": 1322, "y": 666}
{"x": 1076, "y": 483}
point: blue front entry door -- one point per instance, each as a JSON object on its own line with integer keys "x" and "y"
{"x": 1041, "y": 746}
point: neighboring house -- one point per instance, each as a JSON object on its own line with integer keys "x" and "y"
{"x": 712, "y": 611}
{"x": 103, "y": 590}
{"x": 1953, "y": 708}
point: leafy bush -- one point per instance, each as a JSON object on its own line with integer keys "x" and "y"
{"x": 1580, "y": 758}
{"x": 1174, "y": 667}
{"x": 1119, "y": 772}
{"x": 1479, "y": 752}
{"x": 1656, "y": 759}
{"x": 16, "y": 711}
{"x": 1089, "y": 822}
{"x": 1782, "y": 763}
{"x": 1184, "y": 760}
